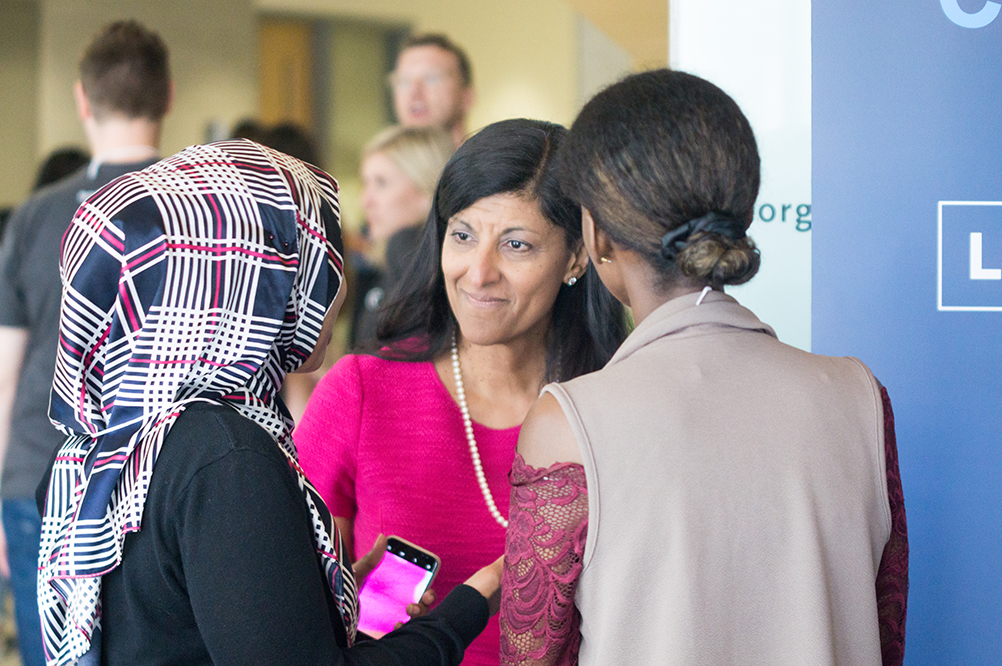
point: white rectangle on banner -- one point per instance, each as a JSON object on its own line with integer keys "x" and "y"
{"x": 969, "y": 266}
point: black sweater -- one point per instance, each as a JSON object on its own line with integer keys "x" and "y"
{"x": 225, "y": 571}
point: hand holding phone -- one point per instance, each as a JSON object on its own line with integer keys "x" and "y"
{"x": 401, "y": 578}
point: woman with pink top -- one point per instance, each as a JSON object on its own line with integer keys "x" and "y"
{"x": 416, "y": 439}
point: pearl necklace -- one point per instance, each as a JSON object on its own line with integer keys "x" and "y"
{"x": 474, "y": 451}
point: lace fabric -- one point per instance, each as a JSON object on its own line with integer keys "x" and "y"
{"x": 543, "y": 555}
{"x": 892, "y": 576}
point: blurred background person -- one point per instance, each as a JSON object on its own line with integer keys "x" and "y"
{"x": 712, "y": 495}
{"x": 291, "y": 139}
{"x": 5, "y": 214}
{"x": 248, "y": 128}
{"x": 122, "y": 96}
{"x": 400, "y": 168}
{"x": 417, "y": 439}
{"x": 432, "y": 85}
{"x": 60, "y": 163}
{"x": 57, "y": 165}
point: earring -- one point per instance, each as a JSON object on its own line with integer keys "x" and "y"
{"x": 604, "y": 260}
{"x": 571, "y": 281}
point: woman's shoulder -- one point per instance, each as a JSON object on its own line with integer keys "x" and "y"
{"x": 596, "y": 380}
{"x": 214, "y": 426}
{"x": 207, "y": 433}
{"x": 547, "y": 436}
{"x": 368, "y": 367}
{"x": 369, "y": 376}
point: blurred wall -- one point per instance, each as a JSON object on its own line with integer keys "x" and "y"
{"x": 640, "y": 26}
{"x": 534, "y": 58}
{"x": 18, "y": 98}
{"x": 212, "y": 47}
{"x": 601, "y": 61}
{"x": 523, "y": 51}
{"x": 354, "y": 103}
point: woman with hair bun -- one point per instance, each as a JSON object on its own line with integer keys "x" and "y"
{"x": 711, "y": 495}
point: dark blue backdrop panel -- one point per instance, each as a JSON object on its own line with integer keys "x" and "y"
{"x": 907, "y": 113}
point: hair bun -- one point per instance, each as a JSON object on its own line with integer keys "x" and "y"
{"x": 719, "y": 259}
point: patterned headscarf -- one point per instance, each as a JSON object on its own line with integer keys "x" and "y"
{"x": 203, "y": 278}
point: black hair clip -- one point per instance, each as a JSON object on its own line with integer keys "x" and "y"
{"x": 675, "y": 240}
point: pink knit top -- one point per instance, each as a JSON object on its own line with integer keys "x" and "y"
{"x": 383, "y": 442}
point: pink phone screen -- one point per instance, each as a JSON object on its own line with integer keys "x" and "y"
{"x": 386, "y": 593}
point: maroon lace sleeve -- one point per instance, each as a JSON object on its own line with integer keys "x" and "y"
{"x": 548, "y": 523}
{"x": 892, "y": 576}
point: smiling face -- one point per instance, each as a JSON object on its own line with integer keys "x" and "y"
{"x": 503, "y": 264}
{"x": 427, "y": 90}
{"x": 390, "y": 199}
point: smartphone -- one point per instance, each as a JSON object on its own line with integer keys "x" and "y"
{"x": 401, "y": 578}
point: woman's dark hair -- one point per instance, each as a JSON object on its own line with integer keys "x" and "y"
{"x": 59, "y": 164}
{"x": 291, "y": 139}
{"x": 656, "y": 151}
{"x": 511, "y": 156}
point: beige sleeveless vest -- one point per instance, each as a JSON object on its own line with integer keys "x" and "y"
{"x": 737, "y": 496}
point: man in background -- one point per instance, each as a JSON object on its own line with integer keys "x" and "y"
{"x": 433, "y": 85}
{"x": 122, "y": 96}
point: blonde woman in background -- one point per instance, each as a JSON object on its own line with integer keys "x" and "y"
{"x": 400, "y": 168}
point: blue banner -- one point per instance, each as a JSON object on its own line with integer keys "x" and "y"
{"x": 907, "y": 275}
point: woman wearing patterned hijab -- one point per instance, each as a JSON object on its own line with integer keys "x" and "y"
{"x": 178, "y": 526}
